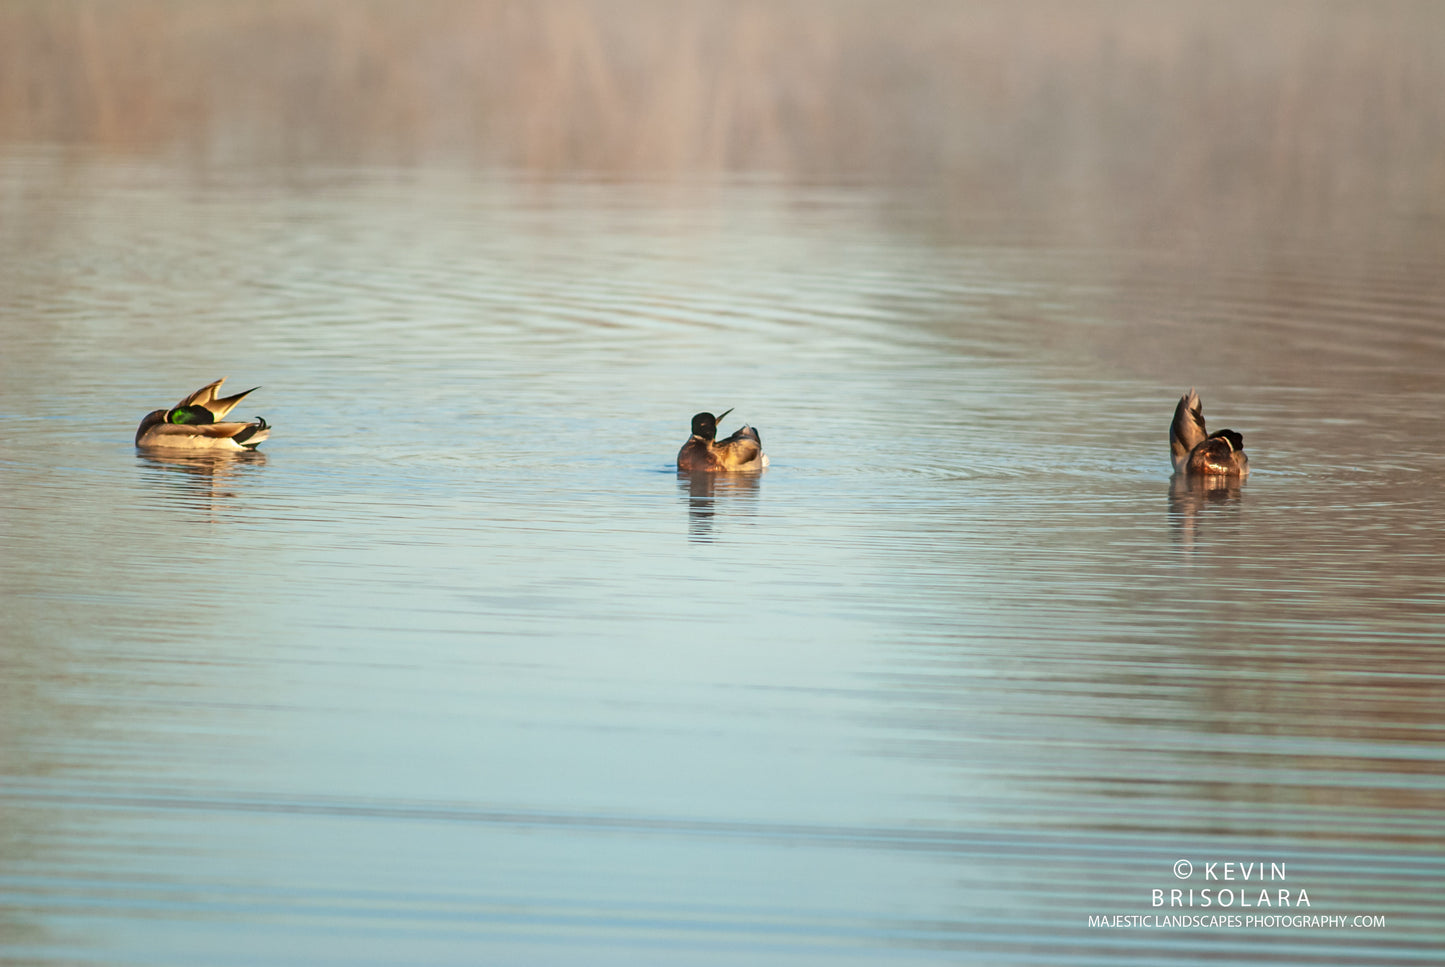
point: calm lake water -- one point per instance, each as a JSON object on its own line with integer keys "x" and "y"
{"x": 458, "y": 670}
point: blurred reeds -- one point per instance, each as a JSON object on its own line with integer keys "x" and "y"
{"x": 1312, "y": 101}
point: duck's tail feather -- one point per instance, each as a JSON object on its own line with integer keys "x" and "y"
{"x": 1187, "y": 431}
{"x": 253, "y": 433}
{"x": 219, "y": 408}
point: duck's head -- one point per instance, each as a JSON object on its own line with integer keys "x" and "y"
{"x": 180, "y": 415}
{"x": 705, "y": 424}
{"x": 1231, "y": 437}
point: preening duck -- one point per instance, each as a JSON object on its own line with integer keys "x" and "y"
{"x": 195, "y": 424}
{"x": 1198, "y": 453}
{"x": 703, "y": 451}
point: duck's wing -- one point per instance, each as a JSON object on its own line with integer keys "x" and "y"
{"x": 1187, "y": 430}
{"x": 743, "y": 450}
{"x": 745, "y": 433}
{"x": 205, "y": 398}
{"x": 244, "y": 436}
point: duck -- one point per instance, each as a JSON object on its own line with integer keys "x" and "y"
{"x": 703, "y": 451}
{"x": 194, "y": 424}
{"x": 1196, "y": 452}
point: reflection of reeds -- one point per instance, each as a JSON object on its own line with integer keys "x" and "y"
{"x": 1320, "y": 98}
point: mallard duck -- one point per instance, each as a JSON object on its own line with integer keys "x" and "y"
{"x": 192, "y": 424}
{"x": 1217, "y": 454}
{"x": 703, "y": 451}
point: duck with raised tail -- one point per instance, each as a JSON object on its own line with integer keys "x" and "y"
{"x": 1198, "y": 453}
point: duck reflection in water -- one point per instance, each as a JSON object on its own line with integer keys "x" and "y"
{"x": 1191, "y": 497}
{"x": 201, "y": 480}
{"x": 707, "y": 492}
